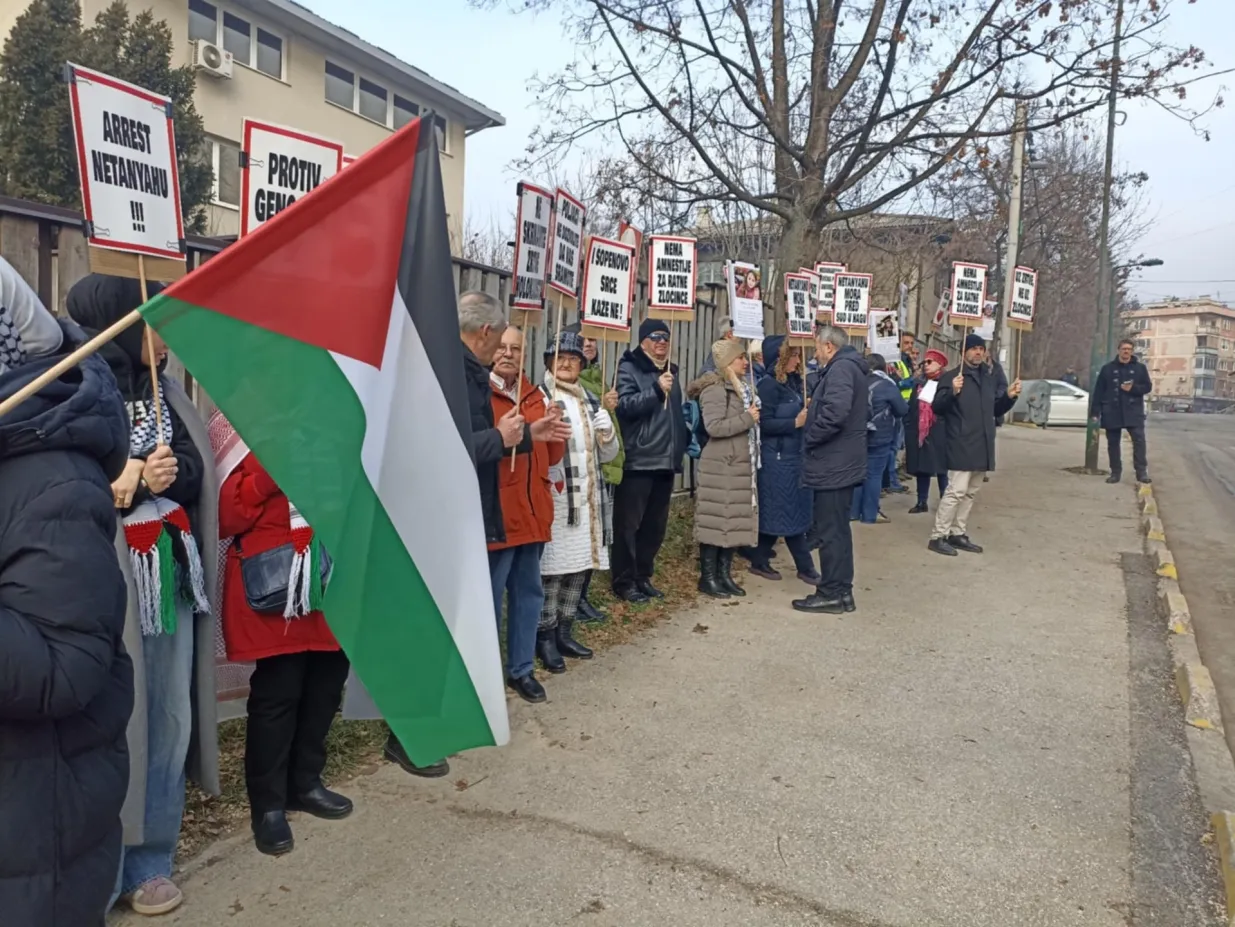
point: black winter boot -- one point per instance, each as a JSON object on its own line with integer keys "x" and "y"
{"x": 724, "y": 574}
{"x": 567, "y": 646}
{"x": 709, "y": 581}
{"x": 546, "y": 650}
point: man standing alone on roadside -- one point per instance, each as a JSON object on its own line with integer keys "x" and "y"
{"x": 968, "y": 398}
{"x": 834, "y": 443}
{"x": 1118, "y": 404}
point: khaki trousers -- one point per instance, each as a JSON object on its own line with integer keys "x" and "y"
{"x": 952, "y": 517}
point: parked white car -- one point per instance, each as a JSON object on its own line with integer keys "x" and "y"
{"x": 1069, "y": 404}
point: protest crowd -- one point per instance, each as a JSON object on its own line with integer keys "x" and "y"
{"x": 575, "y": 479}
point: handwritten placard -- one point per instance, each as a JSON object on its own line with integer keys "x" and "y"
{"x": 532, "y": 222}
{"x": 968, "y": 293}
{"x": 852, "y": 300}
{"x": 797, "y": 305}
{"x": 606, "y": 284}
{"x": 672, "y": 272}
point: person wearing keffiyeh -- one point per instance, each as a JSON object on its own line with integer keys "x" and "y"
{"x": 297, "y": 684}
{"x": 167, "y": 500}
{"x": 727, "y": 497}
{"x": 582, "y": 503}
{"x": 925, "y": 434}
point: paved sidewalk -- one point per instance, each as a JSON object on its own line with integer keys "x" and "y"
{"x": 955, "y": 753}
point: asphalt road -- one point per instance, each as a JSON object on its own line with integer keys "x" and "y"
{"x": 1192, "y": 461}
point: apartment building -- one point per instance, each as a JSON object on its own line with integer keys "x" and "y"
{"x": 1189, "y": 347}
{"x": 277, "y": 61}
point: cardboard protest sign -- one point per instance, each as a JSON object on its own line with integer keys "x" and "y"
{"x": 566, "y": 243}
{"x": 671, "y": 273}
{"x": 852, "y": 301}
{"x": 606, "y": 306}
{"x": 278, "y": 166}
{"x": 941, "y": 310}
{"x": 827, "y": 288}
{"x": 126, "y": 159}
{"x": 883, "y": 335}
{"x": 744, "y": 282}
{"x": 814, "y": 289}
{"x": 532, "y": 222}
{"x": 1024, "y": 298}
{"x": 968, "y": 294}
{"x": 987, "y": 327}
{"x": 801, "y": 321}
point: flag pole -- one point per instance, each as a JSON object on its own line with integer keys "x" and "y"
{"x": 69, "y": 362}
{"x": 153, "y": 362}
{"x": 670, "y": 356}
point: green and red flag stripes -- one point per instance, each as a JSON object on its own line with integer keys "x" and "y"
{"x": 329, "y": 338}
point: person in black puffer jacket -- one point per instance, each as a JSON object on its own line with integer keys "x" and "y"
{"x": 649, "y": 412}
{"x": 66, "y": 683}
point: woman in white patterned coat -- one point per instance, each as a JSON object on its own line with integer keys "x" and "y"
{"x": 582, "y": 503}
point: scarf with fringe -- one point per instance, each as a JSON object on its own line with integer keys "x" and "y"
{"x": 167, "y": 566}
{"x": 304, "y": 584}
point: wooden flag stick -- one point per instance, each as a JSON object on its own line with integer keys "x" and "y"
{"x": 669, "y": 357}
{"x": 71, "y": 361}
{"x": 153, "y": 361}
{"x": 514, "y": 451}
{"x": 557, "y": 342}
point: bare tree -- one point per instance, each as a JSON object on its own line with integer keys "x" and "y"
{"x": 487, "y": 242}
{"x": 814, "y": 112}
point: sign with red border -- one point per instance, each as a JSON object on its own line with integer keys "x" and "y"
{"x": 566, "y": 243}
{"x": 968, "y": 293}
{"x": 672, "y": 273}
{"x": 827, "y": 290}
{"x": 852, "y": 298}
{"x": 126, "y": 159}
{"x": 279, "y": 166}
{"x": 1024, "y": 295}
{"x": 348, "y": 160}
{"x": 532, "y": 221}
{"x": 606, "y": 284}
{"x": 801, "y": 321}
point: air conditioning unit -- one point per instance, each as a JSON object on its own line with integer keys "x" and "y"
{"x": 213, "y": 60}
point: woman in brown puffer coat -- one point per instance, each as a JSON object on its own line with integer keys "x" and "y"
{"x": 726, "y": 499}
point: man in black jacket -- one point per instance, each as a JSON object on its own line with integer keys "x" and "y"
{"x": 1118, "y": 404}
{"x": 834, "y": 445}
{"x": 968, "y": 398}
{"x": 66, "y": 682}
{"x": 654, "y": 433}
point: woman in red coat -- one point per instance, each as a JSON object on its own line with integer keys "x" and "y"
{"x": 297, "y": 685}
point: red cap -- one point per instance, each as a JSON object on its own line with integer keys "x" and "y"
{"x": 938, "y": 357}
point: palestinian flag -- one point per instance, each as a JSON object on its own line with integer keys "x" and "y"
{"x": 329, "y": 338}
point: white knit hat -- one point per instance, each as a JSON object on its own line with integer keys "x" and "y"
{"x": 26, "y": 328}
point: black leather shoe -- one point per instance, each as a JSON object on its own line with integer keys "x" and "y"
{"x": 396, "y": 754}
{"x": 272, "y": 834}
{"x": 629, "y": 594}
{"x": 763, "y": 570}
{"x": 811, "y": 577}
{"x": 567, "y": 645}
{"x": 940, "y": 546}
{"x": 1143, "y": 478}
{"x": 528, "y": 688}
{"x": 847, "y": 601}
{"x": 548, "y": 653}
{"x": 962, "y": 542}
{"x": 817, "y": 604}
{"x": 590, "y": 613}
{"x": 724, "y": 573}
{"x": 1114, "y": 477}
{"x": 919, "y": 509}
{"x": 321, "y": 803}
{"x": 645, "y": 586}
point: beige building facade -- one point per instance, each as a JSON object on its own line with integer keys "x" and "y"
{"x": 1189, "y": 347}
{"x": 281, "y": 63}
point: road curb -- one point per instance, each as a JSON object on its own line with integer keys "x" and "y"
{"x": 1212, "y": 763}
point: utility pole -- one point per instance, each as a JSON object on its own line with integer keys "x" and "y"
{"x": 1021, "y": 121}
{"x": 1105, "y": 270}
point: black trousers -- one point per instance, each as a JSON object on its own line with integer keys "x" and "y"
{"x": 796, "y": 545}
{"x": 1140, "y": 459}
{"x": 293, "y": 699}
{"x": 832, "y": 535}
{"x": 640, "y": 516}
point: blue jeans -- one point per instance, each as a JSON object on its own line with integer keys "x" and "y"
{"x": 893, "y": 480}
{"x": 866, "y": 497}
{"x": 515, "y": 572}
{"x": 168, "y": 660}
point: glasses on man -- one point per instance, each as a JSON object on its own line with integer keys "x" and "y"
{"x": 509, "y": 349}
{"x": 658, "y": 337}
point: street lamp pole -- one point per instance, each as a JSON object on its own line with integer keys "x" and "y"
{"x": 1105, "y": 271}
{"x": 1008, "y": 276}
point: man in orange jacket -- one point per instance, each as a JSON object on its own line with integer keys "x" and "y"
{"x": 527, "y": 513}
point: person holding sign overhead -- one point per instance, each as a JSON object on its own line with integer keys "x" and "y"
{"x": 168, "y": 499}
{"x": 654, "y": 433}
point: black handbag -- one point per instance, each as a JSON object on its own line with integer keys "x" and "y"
{"x": 265, "y": 576}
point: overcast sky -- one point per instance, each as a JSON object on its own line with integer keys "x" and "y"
{"x": 485, "y": 55}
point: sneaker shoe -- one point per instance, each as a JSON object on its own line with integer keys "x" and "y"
{"x": 156, "y": 896}
{"x": 882, "y": 519}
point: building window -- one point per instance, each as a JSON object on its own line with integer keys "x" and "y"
{"x": 340, "y": 86}
{"x": 372, "y": 101}
{"x": 250, "y": 45}
{"x": 405, "y": 111}
{"x": 225, "y": 161}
